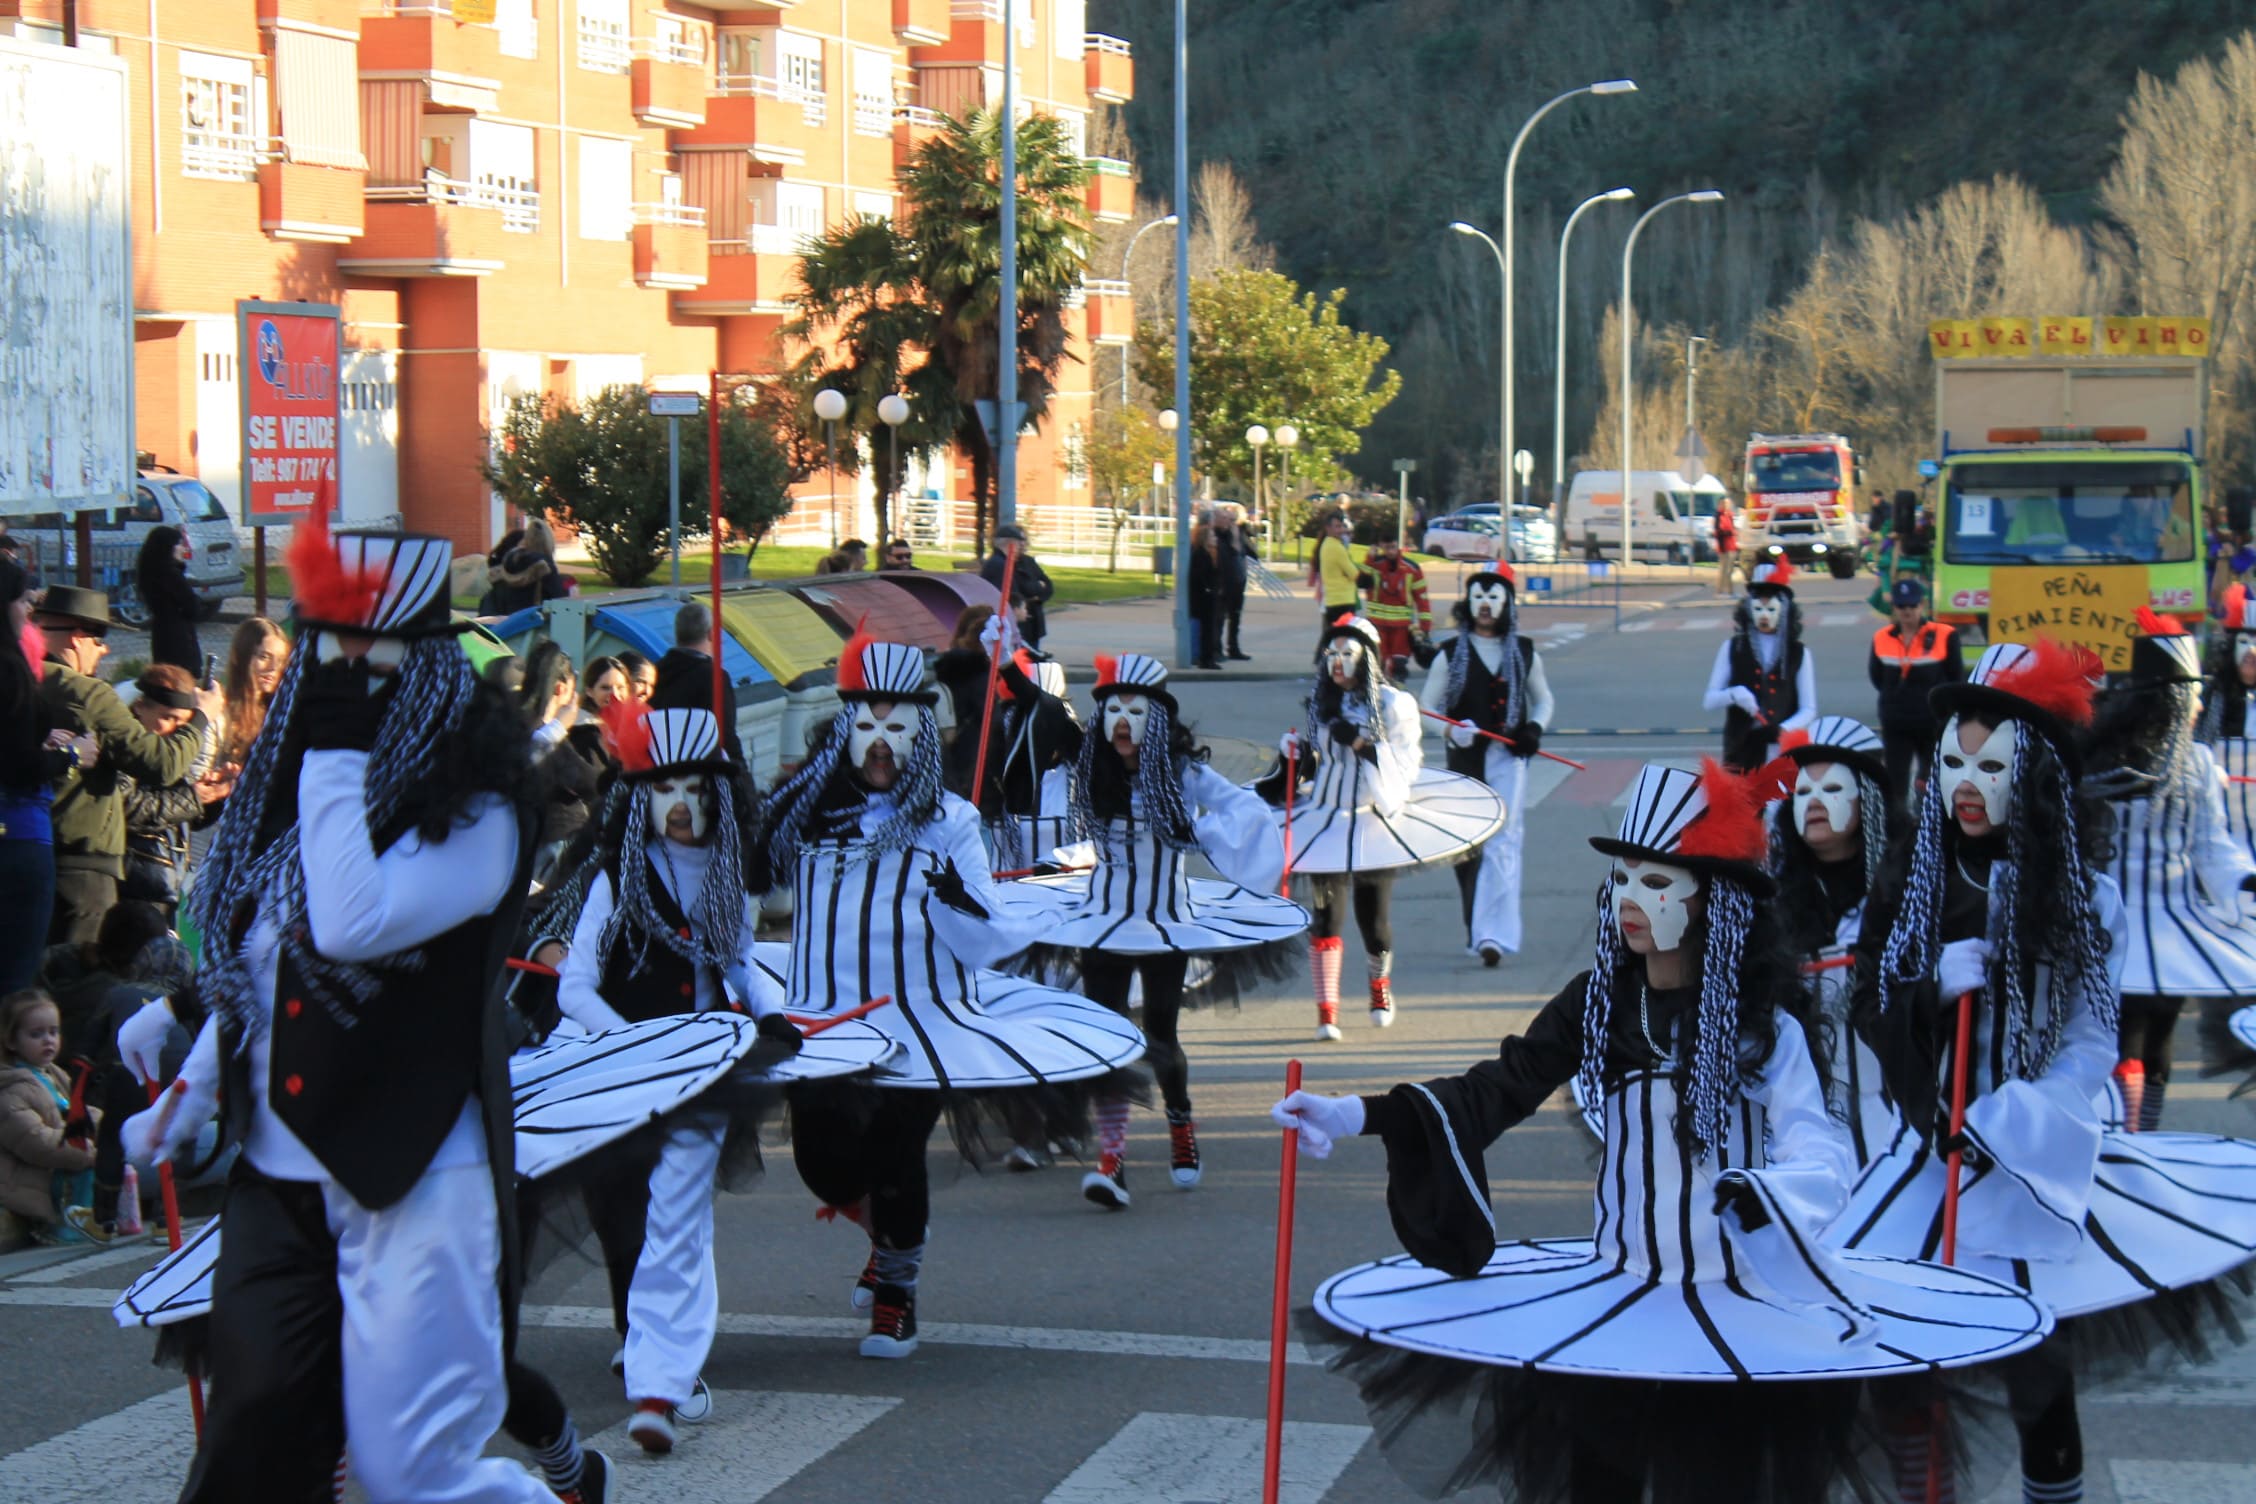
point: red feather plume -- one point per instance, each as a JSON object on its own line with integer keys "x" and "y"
{"x": 1505, "y": 570}
{"x": 1108, "y": 668}
{"x": 319, "y": 582}
{"x": 2056, "y": 677}
{"x": 850, "y": 674}
{"x": 1798, "y": 737}
{"x": 2152, "y": 625}
{"x": 626, "y": 729}
{"x": 2235, "y": 604}
{"x": 1731, "y": 829}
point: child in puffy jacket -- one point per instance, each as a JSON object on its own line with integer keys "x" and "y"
{"x": 46, "y": 1154}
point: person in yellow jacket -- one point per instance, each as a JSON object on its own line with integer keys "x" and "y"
{"x": 1338, "y": 579}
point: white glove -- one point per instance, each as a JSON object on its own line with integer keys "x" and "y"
{"x": 169, "y": 1127}
{"x": 999, "y": 629}
{"x": 752, "y": 989}
{"x": 141, "y": 1039}
{"x": 1460, "y": 734}
{"x": 1288, "y": 746}
{"x": 1321, "y": 1120}
{"x": 1744, "y": 698}
{"x": 1964, "y": 968}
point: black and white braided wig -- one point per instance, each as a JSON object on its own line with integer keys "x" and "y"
{"x": 826, "y": 773}
{"x": 1745, "y": 976}
{"x": 1795, "y": 864}
{"x": 2041, "y": 908}
{"x": 1328, "y": 701}
{"x": 716, "y": 919}
{"x": 1513, "y": 674}
{"x": 1103, "y": 788}
{"x": 2151, "y": 730}
{"x": 444, "y": 741}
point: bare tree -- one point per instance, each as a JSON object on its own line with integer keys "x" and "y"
{"x": 1224, "y": 236}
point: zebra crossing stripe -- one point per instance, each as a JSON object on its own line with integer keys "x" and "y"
{"x": 1208, "y": 1459}
{"x": 137, "y": 1455}
{"x": 753, "y": 1444}
{"x": 2182, "y": 1482}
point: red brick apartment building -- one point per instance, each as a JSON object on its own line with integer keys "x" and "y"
{"x": 511, "y": 196}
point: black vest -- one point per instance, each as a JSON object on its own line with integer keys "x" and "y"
{"x": 657, "y": 983}
{"x": 1746, "y": 742}
{"x": 1485, "y": 702}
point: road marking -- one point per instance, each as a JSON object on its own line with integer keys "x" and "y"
{"x": 108, "y": 1258}
{"x": 1208, "y": 1459}
{"x": 2182, "y": 1482}
{"x": 2226, "y": 1380}
{"x": 137, "y": 1455}
{"x": 754, "y": 1443}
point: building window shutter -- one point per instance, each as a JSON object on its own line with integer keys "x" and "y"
{"x": 606, "y": 189}
{"x": 317, "y": 80}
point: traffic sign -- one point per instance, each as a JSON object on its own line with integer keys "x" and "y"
{"x": 1599, "y": 568}
{"x": 675, "y": 404}
{"x": 1538, "y": 584}
{"x": 986, "y": 406}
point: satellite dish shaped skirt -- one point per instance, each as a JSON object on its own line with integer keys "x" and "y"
{"x": 1445, "y": 815}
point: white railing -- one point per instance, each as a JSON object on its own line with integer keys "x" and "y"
{"x": 1104, "y": 287}
{"x": 1075, "y": 296}
{"x": 519, "y": 207}
{"x": 603, "y": 46}
{"x": 1098, "y": 42}
{"x": 407, "y": 7}
{"x": 667, "y": 214}
{"x": 872, "y": 117}
{"x": 224, "y": 154}
{"x": 917, "y": 117}
{"x": 1109, "y": 167}
{"x": 815, "y": 109}
{"x": 667, "y": 50}
{"x": 976, "y": 10}
{"x": 762, "y": 240}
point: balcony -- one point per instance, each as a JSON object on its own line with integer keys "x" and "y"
{"x": 913, "y": 125}
{"x": 299, "y": 201}
{"x": 920, "y": 23}
{"x": 441, "y": 228}
{"x": 602, "y": 46}
{"x": 422, "y": 39}
{"x": 1110, "y": 68}
{"x": 758, "y": 274}
{"x": 670, "y": 248}
{"x": 669, "y": 83}
{"x": 778, "y": 123}
{"x": 1111, "y": 311}
{"x": 1112, "y": 190}
{"x": 337, "y": 15}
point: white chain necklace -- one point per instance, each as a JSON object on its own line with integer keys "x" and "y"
{"x": 1645, "y": 1022}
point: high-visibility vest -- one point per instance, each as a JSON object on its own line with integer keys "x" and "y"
{"x": 1930, "y": 644}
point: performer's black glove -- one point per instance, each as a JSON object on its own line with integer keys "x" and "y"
{"x": 777, "y": 1029}
{"x": 2248, "y": 883}
{"x": 1527, "y": 738}
{"x": 1046, "y": 869}
{"x": 1734, "y": 1193}
{"x": 947, "y": 884}
{"x": 342, "y": 703}
{"x": 1422, "y": 648}
{"x": 1344, "y": 732}
{"x": 1970, "y": 1153}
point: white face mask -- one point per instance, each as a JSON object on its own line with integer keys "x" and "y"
{"x": 691, "y": 792}
{"x": 2244, "y": 647}
{"x": 1828, "y": 786}
{"x": 1488, "y": 603}
{"x": 1132, "y": 711}
{"x": 1662, "y": 893}
{"x": 893, "y": 725}
{"x": 1342, "y": 655}
{"x": 1989, "y": 772}
{"x": 1766, "y": 611}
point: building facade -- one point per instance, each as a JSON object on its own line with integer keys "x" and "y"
{"x": 544, "y": 196}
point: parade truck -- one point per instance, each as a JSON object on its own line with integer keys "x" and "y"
{"x": 1801, "y": 500}
{"x": 2068, "y": 496}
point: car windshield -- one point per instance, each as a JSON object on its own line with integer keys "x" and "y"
{"x": 1794, "y": 470}
{"x": 197, "y": 503}
{"x": 2093, "y": 512}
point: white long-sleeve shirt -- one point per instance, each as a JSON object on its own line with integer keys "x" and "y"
{"x": 1719, "y": 696}
{"x": 1434, "y": 695}
{"x": 682, "y": 869}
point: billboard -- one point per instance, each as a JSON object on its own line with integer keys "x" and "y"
{"x": 290, "y": 356}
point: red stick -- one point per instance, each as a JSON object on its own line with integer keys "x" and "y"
{"x": 813, "y": 1026}
{"x": 994, "y": 677}
{"x": 172, "y": 1237}
{"x": 1507, "y": 741}
{"x": 1962, "y": 1047}
{"x": 1273, "y": 1455}
{"x": 1811, "y": 968}
{"x": 1018, "y": 872}
{"x": 2236, "y": 778}
{"x": 713, "y": 503}
{"x": 535, "y": 967}
{"x": 1292, "y": 777}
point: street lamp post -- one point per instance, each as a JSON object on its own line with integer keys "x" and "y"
{"x": 1258, "y": 437}
{"x": 1559, "y": 359}
{"x": 892, "y": 411}
{"x": 1511, "y": 172}
{"x": 1628, "y": 390}
{"x": 1126, "y": 257}
{"x": 1504, "y": 403}
{"x": 1288, "y": 439}
{"x": 1183, "y": 655}
{"x": 1006, "y": 363}
{"x": 830, "y": 406}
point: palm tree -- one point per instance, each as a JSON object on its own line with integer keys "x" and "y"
{"x": 954, "y": 193}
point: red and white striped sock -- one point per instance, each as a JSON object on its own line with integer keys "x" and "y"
{"x": 2130, "y": 1080}
{"x": 1912, "y": 1454}
{"x": 1324, "y": 958}
{"x": 1112, "y": 1126}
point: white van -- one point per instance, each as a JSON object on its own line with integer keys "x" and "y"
{"x": 1675, "y": 518}
{"x": 162, "y": 497}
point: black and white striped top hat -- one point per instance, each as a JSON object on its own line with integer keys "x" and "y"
{"x": 1708, "y": 822}
{"x": 656, "y": 743}
{"x": 882, "y": 672}
{"x": 1837, "y": 738}
{"x": 1132, "y": 674}
{"x": 381, "y": 584}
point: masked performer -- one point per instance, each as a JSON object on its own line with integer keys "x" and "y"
{"x": 1359, "y": 807}
{"x": 2185, "y": 878}
{"x": 1490, "y": 678}
{"x": 1029, "y": 762}
{"x": 1145, "y": 799}
{"x": 1764, "y": 680}
{"x": 2232, "y": 669}
{"x": 894, "y": 900}
{"x": 1699, "y": 1342}
{"x": 2000, "y": 902}
{"x": 354, "y": 910}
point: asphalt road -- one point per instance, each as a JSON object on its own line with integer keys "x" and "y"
{"x": 1075, "y": 1355}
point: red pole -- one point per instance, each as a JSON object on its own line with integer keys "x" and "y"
{"x": 813, "y": 1026}
{"x": 1273, "y": 1453}
{"x": 172, "y": 1238}
{"x": 713, "y": 502}
{"x": 1507, "y": 741}
{"x": 1962, "y": 1047}
{"x": 994, "y": 678}
{"x": 1292, "y": 778}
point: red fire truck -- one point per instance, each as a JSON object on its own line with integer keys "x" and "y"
{"x": 1801, "y": 500}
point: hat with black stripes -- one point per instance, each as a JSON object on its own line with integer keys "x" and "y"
{"x": 1709, "y": 822}
{"x": 372, "y": 584}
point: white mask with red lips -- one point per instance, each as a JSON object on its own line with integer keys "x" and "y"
{"x": 894, "y": 725}
{"x": 1828, "y": 786}
{"x": 1661, "y": 892}
{"x": 1488, "y": 604}
{"x": 1766, "y": 611}
{"x": 1132, "y": 711}
{"x": 1988, "y": 772}
{"x": 1341, "y": 657}
{"x": 690, "y": 791}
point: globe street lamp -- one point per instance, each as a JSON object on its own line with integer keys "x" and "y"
{"x": 1288, "y": 439}
{"x": 892, "y": 411}
{"x": 1605, "y": 87}
{"x": 1628, "y": 392}
{"x": 1559, "y": 359}
{"x": 830, "y": 406}
{"x": 1258, "y": 437}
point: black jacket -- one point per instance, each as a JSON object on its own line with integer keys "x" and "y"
{"x": 1030, "y": 587}
{"x": 685, "y": 682}
{"x": 172, "y": 616}
{"x": 1904, "y": 673}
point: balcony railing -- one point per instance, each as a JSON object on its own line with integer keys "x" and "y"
{"x": 667, "y": 214}
{"x": 763, "y": 240}
{"x": 1102, "y": 287}
{"x": 223, "y": 154}
{"x": 519, "y": 207}
{"x": 760, "y": 86}
{"x": 603, "y": 46}
{"x": 1098, "y": 42}
{"x": 917, "y": 117}
{"x": 671, "y": 50}
{"x": 977, "y": 10}
{"x": 872, "y": 117}
{"x": 1110, "y": 167}
{"x": 407, "y": 7}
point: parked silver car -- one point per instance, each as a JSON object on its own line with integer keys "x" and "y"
{"x": 215, "y": 569}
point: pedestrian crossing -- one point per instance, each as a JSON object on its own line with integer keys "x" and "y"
{"x": 1720, "y": 625}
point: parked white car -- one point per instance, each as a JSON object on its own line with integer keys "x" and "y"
{"x": 1535, "y": 539}
{"x": 1472, "y": 534}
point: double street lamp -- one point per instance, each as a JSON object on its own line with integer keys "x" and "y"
{"x": 1628, "y": 387}
{"x": 1559, "y": 358}
{"x": 830, "y": 406}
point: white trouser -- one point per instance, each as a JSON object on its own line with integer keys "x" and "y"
{"x": 674, "y": 1300}
{"x": 422, "y": 1343}
{"x": 1496, "y": 892}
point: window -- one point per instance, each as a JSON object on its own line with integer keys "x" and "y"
{"x": 1076, "y": 459}
{"x": 317, "y": 80}
{"x": 519, "y": 28}
{"x": 677, "y": 41}
{"x": 606, "y": 189}
{"x": 1070, "y": 25}
{"x": 1076, "y": 124}
{"x": 603, "y": 35}
{"x": 873, "y": 92}
{"x": 874, "y": 205}
{"x": 2091, "y": 511}
{"x": 738, "y": 61}
{"x": 799, "y": 208}
{"x": 220, "y": 129}
{"x": 499, "y": 170}
{"x": 800, "y": 64}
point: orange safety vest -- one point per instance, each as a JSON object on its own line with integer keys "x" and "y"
{"x": 1928, "y": 645}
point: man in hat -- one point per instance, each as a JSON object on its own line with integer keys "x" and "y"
{"x": 1489, "y": 678}
{"x": 1030, "y": 586}
{"x": 354, "y": 908}
{"x": 1397, "y": 606}
{"x": 1911, "y": 657}
{"x": 89, "y": 807}
{"x": 1764, "y": 680}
